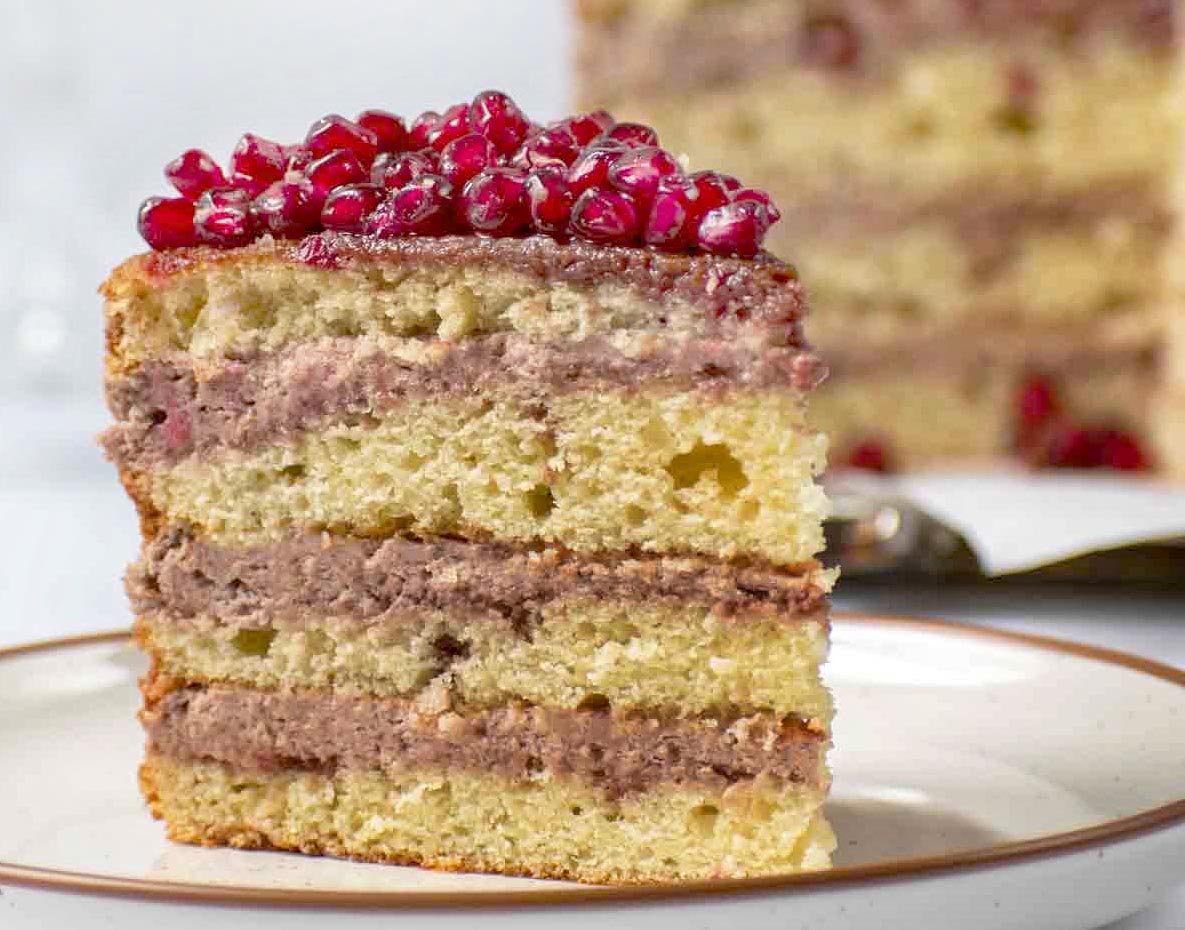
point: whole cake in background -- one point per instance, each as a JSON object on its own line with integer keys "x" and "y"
{"x": 478, "y": 504}
{"x": 978, "y": 194}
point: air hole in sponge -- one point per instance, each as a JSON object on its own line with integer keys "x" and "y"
{"x": 291, "y": 473}
{"x": 634, "y": 515}
{"x": 595, "y": 703}
{"x": 540, "y": 501}
{"x": 253, "y": 642}
{"x": 703, "y": 819}
{"x": 715, "y": 459}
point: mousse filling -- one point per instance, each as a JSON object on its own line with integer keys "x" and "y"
{"x": 620, "y": 754}
{"x": 308, "y": 575}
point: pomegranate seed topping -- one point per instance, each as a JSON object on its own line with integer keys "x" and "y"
{"x": 591, "y": 169}
{"x": 289, "y": 209}
{"x": 422, "y": 208}
{"x": 495, "y": 203}
{"x": 167, "y": 222}
{"x": 715, "y": 189}
{"x": 256, "y": 161}
{"x": 549, "y": 200}
{"x": 388, "y": 129}
{"x": 639, "y": 171}
{"x": 586, "y": 127}
{"x": 732, "y": 229}
{"x": 463, "y": 158}
{"x": 452, "y": 124}
{"x": 225, "y": 226}
{"x": 348, "y": 207}
{"x": 869, "y": 455}
{"x": 830, "y": 42}
{"x": 1076, "y": 448}
{"x": 421, "y": 129}
{"x": 498, "y": 118}
{"x": 675, "y": 215}
{"x": 223, "y": 197}
{"x": 760, "y": 197}
{"x": 396, "y": 171}
{"x": 606, "y": 216}
{"x": 553, "y": 146}
{"x": 336, "y": 132}
{"x": 334, "y": 170}
{"x": 297, "y": 159}
{"x": 193, "y": 172}
{"x": 314, "y": 250}
{"x": 1037, "y": 402}
{"x": 633, "y": 135}
{"x": 1123, "y": 452}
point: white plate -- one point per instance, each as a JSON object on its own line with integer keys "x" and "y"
{"x": 982, "y": 780}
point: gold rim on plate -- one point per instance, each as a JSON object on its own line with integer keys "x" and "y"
{"x": 1157, "y": 818}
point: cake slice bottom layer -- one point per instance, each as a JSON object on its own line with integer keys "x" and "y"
{"x": 467, "y": 821}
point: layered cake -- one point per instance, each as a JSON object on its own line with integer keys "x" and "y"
{"x": 978, "y": 191}
{"x": 478, "y": 506}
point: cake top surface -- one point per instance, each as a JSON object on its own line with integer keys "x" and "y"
{"x": 480, "y": 167}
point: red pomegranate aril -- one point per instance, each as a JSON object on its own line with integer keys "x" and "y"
{"x": 1076, "y": 448}
{"x": 334, "y": 170}
{"x": 422, "y": 208}
{"x": 752, "y": 194}
{"x": 759, "y": 213}
{"x": 494, "y": 115}
{"x": 256, "y": 161}
{"x": 296, "y": 159}
{"x": 396, "y": 171}
{"x": 334, "y": 132}
{"x": 463, "y": 158}
{"x": 348, "y": 207}
{"x": 551, "y": 147}
{"x": 591, "y": 168}
{"x": 549, "y": 200}
{"x": 714, "y": 189}
{"x": 638, "y": 172}
{"x": 453, "y": 123}
{"x": 1123, "y": 452}
{"x": 869, "y": 455}
{"x": 167, "y": 222}
{"x": 420, "y": 130}
{"x": 606, "y": 216}
{"x": 584, "y": 128}
{"x": 1037, "y": 402}
{"x": 192, "y": 172}
{"x": 223, "y": 197}
{"x": 227, "y": 226}
{"x": 495, "y": 203}
{"x": 732, "y": 229}
{"x": 389, "y": 131}
{"x": 674, "y": 215}
{"x": 634, "y": 135}
{"x": 289, "y": 209}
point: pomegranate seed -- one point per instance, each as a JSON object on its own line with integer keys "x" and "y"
{"x": 336, "y": 132}
{"x": 1037, "y": 402}
{"x": 591, "y": 169}
{"x": 225, "y": 226}
{"x": 422, "y": 208}
{"x": 289, "y": 209}
{"x": 421, "y": 129}
{"x": 314, "y": 250}
{"x": 167, "y": 222}
{"x": 498, "y": 118}
{"x": 732, "y": 229}
{"x": 334, "y": 170}
{"x": 553, "y": 146}
{"x": 1076, "y": 448}
{"x": 606, "y": 216}
{"x": 715, "y": 189}
{"x": 1123, "y": 452}
{"x": 638, "y": 172}
{"x": 348, "y": 207}
{"x": 256, "y": 162}
{"x": 759, "y": 213}
{"x": 464, "y": 157}
{"x": 223, "y": 197}
{"x": 634, "y": 135}
{"x": 585, "y": 127}
{"x": 453, "y": 124}
{"x": 675, "y": 215}
{"x": 297, "y": 159}
{"x": 495, "y": 203}
{"x": 192, "y": 172}
{"x": 831, "y": 42}
{"x": 549, "y": 200}
{"x": 869, "y": 455}
{"x": 760, "y": 197}
{"x": 388, "y": 129}
{"x": 396, "y": 171}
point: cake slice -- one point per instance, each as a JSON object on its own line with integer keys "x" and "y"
{"x": 478, "y": 504}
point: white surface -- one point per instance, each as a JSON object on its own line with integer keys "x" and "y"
{"x": 969, "y": 782}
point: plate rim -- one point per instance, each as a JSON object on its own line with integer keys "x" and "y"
{"x": 1163, "y": 817}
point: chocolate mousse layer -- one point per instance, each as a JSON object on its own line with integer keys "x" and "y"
{"x": 620, "y": 754}
{"x": 166, "y": 410}
{"x": 308, "y": 575}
